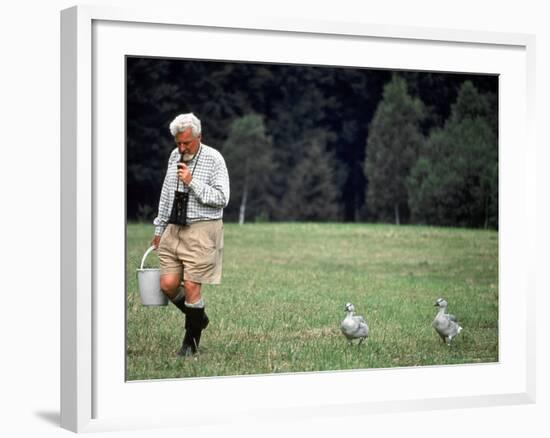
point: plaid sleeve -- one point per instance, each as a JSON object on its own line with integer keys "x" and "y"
{"x": 215, "y": 194}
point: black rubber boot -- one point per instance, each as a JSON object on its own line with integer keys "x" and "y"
{"x": 184, "y": 309}
{"x": 187, "y": 347}
{"x": 195, "y": 322}
{"x": 181, "y": 305}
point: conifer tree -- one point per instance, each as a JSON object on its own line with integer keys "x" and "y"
{"x": 392, "y": 149}
{"x": 312, "y": 194}
{"x": 455, "y": 181}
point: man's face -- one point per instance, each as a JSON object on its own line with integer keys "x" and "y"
{"x": 188, "y": 145}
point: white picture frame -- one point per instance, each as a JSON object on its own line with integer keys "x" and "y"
{"x": 93, "y": 395}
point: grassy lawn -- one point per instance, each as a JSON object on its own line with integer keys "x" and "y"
{"x": 283, "y": 293}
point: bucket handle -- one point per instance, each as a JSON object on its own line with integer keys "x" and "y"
{"x": 151, "y": 248}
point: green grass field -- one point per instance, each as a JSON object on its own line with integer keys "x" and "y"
{"x": 283, "y": 293}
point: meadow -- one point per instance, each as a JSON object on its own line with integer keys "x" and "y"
{"x": 282, "y": 297}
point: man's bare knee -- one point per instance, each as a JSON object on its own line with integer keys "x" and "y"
{"x": 169, "y": 284}
{"x": 192, "y": 291}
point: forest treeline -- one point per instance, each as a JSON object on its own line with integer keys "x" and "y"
{"x": 316, "y": 143}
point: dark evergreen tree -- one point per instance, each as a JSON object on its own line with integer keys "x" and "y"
{"x": 392, "y": 149}
{"x": 312, "y": 194}
{"x": 455, "y": 181}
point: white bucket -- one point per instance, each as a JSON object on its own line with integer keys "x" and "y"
{"x": 149, "y": 284}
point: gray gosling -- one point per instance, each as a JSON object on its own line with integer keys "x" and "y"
{"x": 354, "y": 326}
{"x": 445, "y": 325}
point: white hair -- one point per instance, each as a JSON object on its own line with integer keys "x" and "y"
{"x": 184, "y": 121}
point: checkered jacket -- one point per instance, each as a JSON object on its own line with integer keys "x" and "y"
{"x": 208, "y": 190}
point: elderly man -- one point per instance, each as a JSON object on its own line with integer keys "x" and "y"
{"x": 189, "y": 228}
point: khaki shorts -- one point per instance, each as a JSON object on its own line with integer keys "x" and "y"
{"x": 196, "y": 250}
